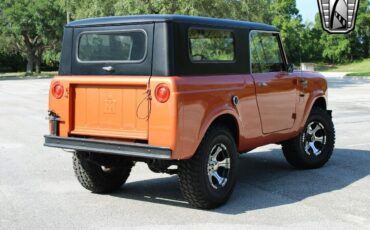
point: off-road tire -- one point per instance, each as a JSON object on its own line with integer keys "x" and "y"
{"x": 193, "y": 174}
{"x": 91, "y": 175}
{"x": 294, "y": 150}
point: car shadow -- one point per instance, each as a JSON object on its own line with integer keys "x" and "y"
{"x": 265, "y": 180}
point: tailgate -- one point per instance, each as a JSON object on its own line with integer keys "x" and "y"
{"x": 118, "y": 111}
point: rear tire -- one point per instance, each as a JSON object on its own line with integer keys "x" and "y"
{"x": 313, "y": 147}
{"x": 208, "y": 178}
{"x": 99, "y": 178}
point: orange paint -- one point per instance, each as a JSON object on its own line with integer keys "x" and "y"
{"x": 119, "y": 108}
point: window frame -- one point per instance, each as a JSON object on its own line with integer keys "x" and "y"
{"x": 112, "y": 32}
{"x": 210, "y": 61}
{"x": 282, "y": 51}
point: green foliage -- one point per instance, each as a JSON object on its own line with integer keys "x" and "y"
{"x": 358, "y": 74}
{"x": 36, "y": 19}
{"x": 32, "y": 26}
{"x": 255, "y": 10}
{"x": 11, "y": 62}
{"x": 233, "y": 9}
{"x": 335, "y": 47}
{"x": 363, "y": 27}
{"x": 289, "y": 21}
{"x": 310, "y": 37}
{"x": 51, "y": 58}
{"x": 89, "y": 8}
{"x": 356, "y": 66}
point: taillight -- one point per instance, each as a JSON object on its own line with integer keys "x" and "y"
{"x": 162, "y": 93}
{"x": 57, "y": 90}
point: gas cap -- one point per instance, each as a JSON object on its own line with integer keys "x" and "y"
{"x": 235, "y": 100}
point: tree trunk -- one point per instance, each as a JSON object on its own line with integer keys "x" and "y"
{"x": 366, "y": 46}
{"x": 30, "y": 62}
{"x": 38, "y": 60}
{"x": 30, "y": 53}
{"x": 37, "y": 66}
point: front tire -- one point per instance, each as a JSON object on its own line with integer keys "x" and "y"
{"x": 208, "y": 178}
{"x": 98, "y": 177}
{"x": 313, "y": 147}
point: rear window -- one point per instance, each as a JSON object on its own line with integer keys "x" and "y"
{"x": 208, "y": 45}
{"x": 122, "y": 46}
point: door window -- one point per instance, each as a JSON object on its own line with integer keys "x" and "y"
{"x": 266, "y": 55}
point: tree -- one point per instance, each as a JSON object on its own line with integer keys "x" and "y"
{"x": 362, "y": 29}
{"x": 90, "y": 8}
{"x": 10, "y": 58}
{"x": 289, "y": 21}
{"x": 233, "y": 9}
{"x": 336, "y": 47}
{"x": 310, "y": 38}
{"x": 33, "y": 26}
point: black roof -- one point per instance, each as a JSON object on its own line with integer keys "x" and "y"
{"x": 117, "y": 20}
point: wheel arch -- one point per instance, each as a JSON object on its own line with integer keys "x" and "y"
{"x": 318, "y": 101}
{"x": 228, "y": 120}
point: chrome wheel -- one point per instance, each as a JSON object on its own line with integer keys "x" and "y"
{"x": 314, "y": 138}
{"x": 218, "y": 166}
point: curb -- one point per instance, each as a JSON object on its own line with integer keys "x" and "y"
{"x": 23, "y": 78}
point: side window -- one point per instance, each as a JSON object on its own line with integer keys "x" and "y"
{"x": 207, "y": 45}
{"x": 266, "y": 55}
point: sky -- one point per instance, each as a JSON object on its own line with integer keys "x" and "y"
{"x": 308, "y": 9}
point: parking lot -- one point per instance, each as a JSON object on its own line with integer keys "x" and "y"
{"x": 38, "y": 189}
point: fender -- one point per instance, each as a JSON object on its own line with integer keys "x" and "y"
{"x": 309, "y": 105}
{"x": 216, "y": 113}
{"x": 226, "y": 109}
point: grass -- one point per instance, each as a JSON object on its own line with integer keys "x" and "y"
{"x": 24, "y": 75}
{"x": 360, "y": 74}
{"x": 355, "y": 69}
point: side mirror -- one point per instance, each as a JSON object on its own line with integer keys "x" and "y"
{"x": 290, "y": 68}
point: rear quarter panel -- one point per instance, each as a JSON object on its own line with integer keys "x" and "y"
{"x": 202, "y": 99}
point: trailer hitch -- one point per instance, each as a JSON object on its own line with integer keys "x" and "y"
{"x": 55, "y": 119}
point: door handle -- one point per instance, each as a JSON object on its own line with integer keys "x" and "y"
{"x": 108, "y": 68}
{"x": 262, "y": 84}
{"x": 303, "y": 82}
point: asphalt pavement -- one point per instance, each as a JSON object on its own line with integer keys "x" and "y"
{"x": 38, "y": 189}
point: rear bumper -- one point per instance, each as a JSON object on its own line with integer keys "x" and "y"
{"x": 108, "y": 147}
